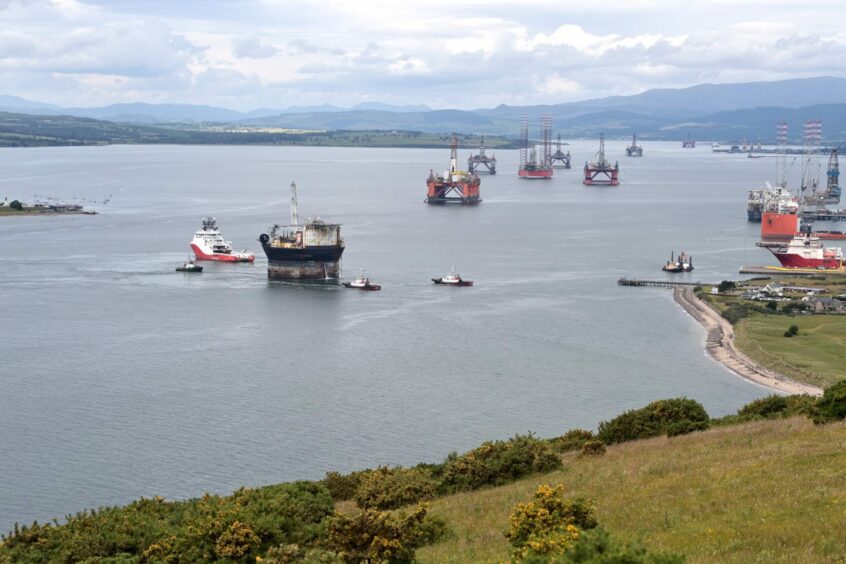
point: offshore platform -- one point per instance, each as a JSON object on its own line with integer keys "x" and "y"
{"x": 532, "y": 165}
{"x": 813, "y": 194}
{"x": 455, "y": 186}
{"x": 559, "y": 159}
{"x": 688, "y": 143}
{"x": 634, "y": 150}
{"x": 476, "y": 162}
{"x": 601, "y": 172}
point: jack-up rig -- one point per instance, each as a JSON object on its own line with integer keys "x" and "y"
{"x": 475, "y": 162}
{"x": 634, "y": 150}
{"x": 688, "y": 143}
{"x": 601, "y": 171}
{"x": 532, "y": 165}
{"x": 455, "y": 186}
{"x": 560, "y": 159}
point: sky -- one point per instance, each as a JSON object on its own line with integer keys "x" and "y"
{"x": 248, "y": 54}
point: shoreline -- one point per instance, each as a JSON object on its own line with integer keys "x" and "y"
{"x": 720, "y": 345}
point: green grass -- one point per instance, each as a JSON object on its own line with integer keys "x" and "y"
{"x": 769, "y": 491}
{"x": 817, "y": 355}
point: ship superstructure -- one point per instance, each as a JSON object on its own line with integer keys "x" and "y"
{"x": 455, "y": 186}
{"x": 209, "y": 244}
{"x": 805, "y": 250}
{"x": 600, "y": 171}
{"x": 310, "y": 250}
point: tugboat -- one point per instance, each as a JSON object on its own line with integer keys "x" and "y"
{"x": 208, "y": 244}
{"x": 189, "y": 266}
{"x": 683, "y": 264}
{"x": 452, "y": 279}
{"x": 362, "y": 282}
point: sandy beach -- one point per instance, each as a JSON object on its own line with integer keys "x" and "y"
{"x": 720, "y": 344}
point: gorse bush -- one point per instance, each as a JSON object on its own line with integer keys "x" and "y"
{"x": 498, "y": 462}
{"x": 775, "y": 407}
{"x": 548, "y": 524}
{"x": 596, "y": 546}
{"x": 211, "y": 528}
{"x": 379, "y": 536}
{"x": 571, "y": 440}
{"x": 832, "y": 405}
{"x": 343, "y": 486}
{"x": 736, "y": 312}
{"x": 593, "y": 448}
{"x": 389, "y": 488}
{"x": 663, "y": 417}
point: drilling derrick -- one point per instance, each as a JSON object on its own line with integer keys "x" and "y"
{"x": 559, "y": 158}
{"x": 475, "y": 162}
{"x": 601, "y": 172}
{"x": 833, "y": 179}
{"x": 812, "y": 195}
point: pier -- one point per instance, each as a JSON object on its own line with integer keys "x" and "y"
{"x": 659, "y": 283}
{"x": 823, "y": 215}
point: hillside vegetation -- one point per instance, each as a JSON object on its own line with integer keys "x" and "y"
{"x": 766, "y": 491}
{"x": 741, "y": 490}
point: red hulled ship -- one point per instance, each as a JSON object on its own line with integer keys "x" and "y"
{"x": 805, "y": 251}
{"x": 208, "y": 244}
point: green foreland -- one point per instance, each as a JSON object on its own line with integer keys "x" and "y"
{"x": 767, "y": 491}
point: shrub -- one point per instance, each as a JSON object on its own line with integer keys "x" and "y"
{"x": 296, "y": 554}
{"x": 571, "y": 440}
{"x": 498, "y": 462}
{"x": 378, "y": 536}
{"x": 234, "y": 527}
{"x": 593, "y": 448}
{"x": 548, "y": 524}
{"x": 736, "y": 312}
{"x": 832, "y": 405}
{"x": 16, "y": 205}
{"x": 663, "y": 417}
{"x": 389, "y": 488}
{"x": 793, "y": 329}
{"x": 596, "y": 546}
{"x": 774, "y": 407}
{"x": 772, "y": 305}
{"x": 788, "y": 334}
{"x": 343, "y": 486}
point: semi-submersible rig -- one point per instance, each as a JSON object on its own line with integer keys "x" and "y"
{"x": 455, "y": 186}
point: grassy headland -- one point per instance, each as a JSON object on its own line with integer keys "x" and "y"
{"x": 767, "y": 491}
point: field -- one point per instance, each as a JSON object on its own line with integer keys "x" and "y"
{"x": 768, "y": 491}
{"x": 817, "y": 355}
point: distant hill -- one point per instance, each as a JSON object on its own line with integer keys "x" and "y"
{"x": 654, "y": 112}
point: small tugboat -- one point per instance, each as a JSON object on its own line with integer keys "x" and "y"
{"x": 208, "y": 244}
{"x": 189, "y": 266}
{"x": 362, "y": 282}
{"x": 683, "y": 264}
{"x": 452, "y": 279}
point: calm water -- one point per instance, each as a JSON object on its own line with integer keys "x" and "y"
{"x": 120, "y": 377}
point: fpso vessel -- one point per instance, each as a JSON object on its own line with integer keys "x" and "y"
{"x": 303, "y": 251}
{"x": 455, "y": 186}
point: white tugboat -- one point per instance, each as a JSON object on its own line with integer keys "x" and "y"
{"x": 208, "y": 244}
{"x": 362, "y": 282}
{"x": 452, "y": 279}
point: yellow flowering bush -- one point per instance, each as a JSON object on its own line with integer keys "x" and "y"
{"x": 549, "y": 524}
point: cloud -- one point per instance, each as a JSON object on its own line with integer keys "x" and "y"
{"x": 444, "y": 53}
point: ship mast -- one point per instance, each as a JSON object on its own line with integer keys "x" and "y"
{"x": 453, "y": 156}
{"x": 295, "y": 215}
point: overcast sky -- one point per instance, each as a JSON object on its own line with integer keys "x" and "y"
{"x": 245, "y": 54}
